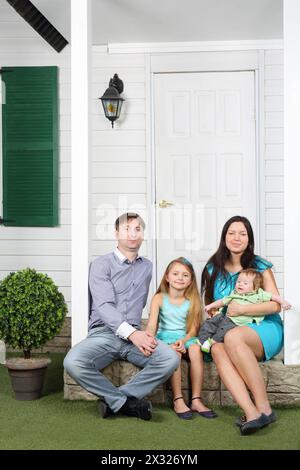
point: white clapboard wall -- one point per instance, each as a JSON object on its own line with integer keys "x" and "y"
{"x": 119, "y": 155}
{"x": 119, "y": 175}
{"x": 45, "y": 249}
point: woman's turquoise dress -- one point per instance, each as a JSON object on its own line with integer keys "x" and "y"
{"x": 270, "y": 330}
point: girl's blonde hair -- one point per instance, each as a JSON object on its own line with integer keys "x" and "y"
{"x": 191, "y": 293}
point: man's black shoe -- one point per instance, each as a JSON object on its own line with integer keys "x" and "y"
{"x": 104, "y": 410}
{"x": 139, "y": 408}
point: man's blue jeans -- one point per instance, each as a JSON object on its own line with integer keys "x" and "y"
{"x": 101, "y": 348}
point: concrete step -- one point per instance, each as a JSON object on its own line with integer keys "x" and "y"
{"x": 283, "y": 384}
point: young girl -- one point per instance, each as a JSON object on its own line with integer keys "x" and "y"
{"x": 175, "y": 316}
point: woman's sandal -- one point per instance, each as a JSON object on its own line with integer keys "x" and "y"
{"x": 205, "y": 414}
{"x": 186, "y": 414}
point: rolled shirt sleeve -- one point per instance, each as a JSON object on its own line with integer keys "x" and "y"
{"x": 125, "y": 330}
{"x": 264, "y": 296}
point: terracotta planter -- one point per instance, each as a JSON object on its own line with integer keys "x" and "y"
{"x": 27, "y": 376}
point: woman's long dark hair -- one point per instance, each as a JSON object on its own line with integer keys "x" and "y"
{"x": 222, "y": 255}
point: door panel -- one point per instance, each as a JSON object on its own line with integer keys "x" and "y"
{"x": 204, "y": 159}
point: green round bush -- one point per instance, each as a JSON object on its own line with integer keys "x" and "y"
{"x": 32, "y": 310}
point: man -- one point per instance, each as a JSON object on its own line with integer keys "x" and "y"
{"x": 119, "y": 284}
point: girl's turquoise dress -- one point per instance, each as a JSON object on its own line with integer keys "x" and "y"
{"x": 270, "y": 330}
{"x": 172, "y": 322}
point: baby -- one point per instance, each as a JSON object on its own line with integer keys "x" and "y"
{"x": 247, "y": 291}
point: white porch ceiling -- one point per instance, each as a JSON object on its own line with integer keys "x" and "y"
{"x": 125, "y": 21}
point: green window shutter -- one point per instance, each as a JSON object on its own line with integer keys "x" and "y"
{"x": 30, "y": 146}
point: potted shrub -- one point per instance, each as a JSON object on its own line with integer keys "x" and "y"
{"x": 32, "y": 312}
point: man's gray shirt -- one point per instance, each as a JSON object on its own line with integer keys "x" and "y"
{"x": 119, "y": 290}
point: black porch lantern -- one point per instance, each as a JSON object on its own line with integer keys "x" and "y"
{"x": 111, "y": 100}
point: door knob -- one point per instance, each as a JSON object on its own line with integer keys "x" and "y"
{"x": 163, "y": 204}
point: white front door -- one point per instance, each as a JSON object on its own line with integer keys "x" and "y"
{"x": 204, "y": 159}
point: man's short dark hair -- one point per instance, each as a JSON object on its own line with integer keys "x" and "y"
{"x": 125, "y": 218}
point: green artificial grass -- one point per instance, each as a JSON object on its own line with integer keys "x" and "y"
{"x": 53, "y": 423}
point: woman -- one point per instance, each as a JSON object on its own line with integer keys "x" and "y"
{"x": 237, "y": 358}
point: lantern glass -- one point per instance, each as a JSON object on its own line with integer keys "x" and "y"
{"x": 112, "y": 108}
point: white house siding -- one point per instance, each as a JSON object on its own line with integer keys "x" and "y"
{"x": 274, "y": 218}
{"x": 120, "y": 157}
{"x": 46, "y": 249}
{"x": 119, "y": 154}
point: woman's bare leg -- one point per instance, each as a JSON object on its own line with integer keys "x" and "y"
{"x": 196, "y": 371}
{"x": 233, "y": 381}
{"x": 244, "y": 348}
{"x": 179, "y": 405}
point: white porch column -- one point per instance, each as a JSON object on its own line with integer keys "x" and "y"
{"x": 292, "y": 178}
{"x": 80, "y": 114}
